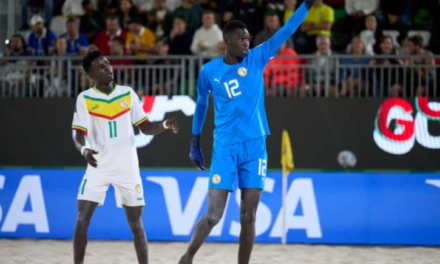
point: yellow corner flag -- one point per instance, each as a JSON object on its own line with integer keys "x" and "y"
{"x": 286, "y": 154}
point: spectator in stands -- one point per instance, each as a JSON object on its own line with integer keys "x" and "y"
{"x": 73, "y": 8}
{"x": 26, "y": 4}
{"x": 160, "y": 19}
{"x": 42, "y": 40}
{"x": 356, "y": 12}
{"x": 289, "y": 9}
{"x": 319, "y": 22}
{"x": 173, "y": 4}
{"x": 110, "y": 7}
{"x": 207, "y": 37}
{"x": 248, "y": 12}
{"x": 140, "y": 40}
{"x": 192, "y": 13}
{"x": 121, "y": 67}
{"x": 283, "y": 73}
{"x": 420, "y": 73}
{"x": 354, "y": 70}
{"x": 165, "y": 79}
{"x": 272, "y": 25}
{"x": 180, "y": 38}
{"x": 103, "y": 41}
{"x": 212, "y": 5}
{"x": 143, "y": 5}
{"x": 387, "y": 78}
{"x": 77, "y": 43}
{"x": 16, "y": 73}
{"x": 57, "y": 75}
{"x": 322, "y": 78}
{"x": 16, "y": 48}
{"x": 396, "y": 11}
{"x": 92, "y": 22}
{"x": 275, "y": 7}
{"x": 369, "y": 34}
{"x": 127, "y": 11}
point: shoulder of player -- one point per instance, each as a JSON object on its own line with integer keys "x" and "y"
{"x": 212, "y": 65}
{"x": 88, "y": 92}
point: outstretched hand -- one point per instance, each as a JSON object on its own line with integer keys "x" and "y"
{"x": 88, "y": 155}
{"x": 172, "y": 124}
{"x": 309, "y": 3}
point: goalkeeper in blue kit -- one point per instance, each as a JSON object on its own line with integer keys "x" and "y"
{"x": 235, "y": 80}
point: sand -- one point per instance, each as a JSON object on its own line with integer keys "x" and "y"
{"x": 118, "y": 252}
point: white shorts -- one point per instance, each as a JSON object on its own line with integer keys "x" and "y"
{"x": 128, "y": 192}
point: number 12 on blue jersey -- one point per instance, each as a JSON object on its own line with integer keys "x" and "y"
{"x": 231, "y": 88}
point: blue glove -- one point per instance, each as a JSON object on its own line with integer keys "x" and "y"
{"x": 309, "y": 3}
{"x": 195, "y": 153}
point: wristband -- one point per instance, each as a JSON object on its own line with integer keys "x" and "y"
{"x": 83, "y": 148}
{"x": 165, "y": 124}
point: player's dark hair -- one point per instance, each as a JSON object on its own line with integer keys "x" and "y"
{"x": 233, "y": 25}
{"x": 89, "y": 58}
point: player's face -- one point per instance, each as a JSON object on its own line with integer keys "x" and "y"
{"x": 101, "y": 71}
{"x": 238, "y": 43}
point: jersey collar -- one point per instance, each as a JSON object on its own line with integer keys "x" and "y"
{"x": 104, "y": 93}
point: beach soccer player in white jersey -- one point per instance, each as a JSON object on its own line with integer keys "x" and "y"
{"x": 235, "y": 81}
{"x": 105, "y": 114}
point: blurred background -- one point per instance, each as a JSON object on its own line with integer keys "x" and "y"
{"x": 355, "y": 88}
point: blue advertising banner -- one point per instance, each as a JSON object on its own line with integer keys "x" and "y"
{"x": 321, "y": 208}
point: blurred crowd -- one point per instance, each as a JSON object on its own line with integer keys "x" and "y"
{"x": 193, "y": 27}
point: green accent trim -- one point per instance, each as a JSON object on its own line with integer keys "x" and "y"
{"x": 101, "y": 91}
{"x": 106, "y": 101}
{"x": 85, "y": 129}
{"x": 115, "y": 129}
{"x": 143, "y": 119}
{"x": 83, "y": 186}
{"x": 110, "y": 128}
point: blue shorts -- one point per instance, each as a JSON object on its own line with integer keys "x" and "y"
{"x": 247, "y": 160}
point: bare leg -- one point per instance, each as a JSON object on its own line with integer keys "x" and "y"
{"x": 248, "y": 210}
{"x": 134, "y": 218}
{"x": 216, "y": 205}
{"x": 85, "y": 212}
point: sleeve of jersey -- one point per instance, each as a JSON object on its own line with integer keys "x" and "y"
{"x": 270, "y": 47}
{"x": 138, "y": 115}
{"x": 80, "y": 115}
{"x": 202, "y": 104}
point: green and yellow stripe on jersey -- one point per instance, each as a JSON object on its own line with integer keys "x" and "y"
{"x": 108, "y": 109}
{"x": 79, "y": 128}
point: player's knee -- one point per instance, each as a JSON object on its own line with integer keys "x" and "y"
{"x": 82, "y": 222}
{"x": 248, "y": 217}
{"x": 213, "y": 219}
{"x": 136, "y": 226}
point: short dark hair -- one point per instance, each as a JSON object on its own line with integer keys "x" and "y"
{"x": 112, "y": 17}
{"x": 208, "y": 11}
{"x": 89, "y": 58}
{"x": 181, "y": 17}
{"x": 416, "y": 40}
{"x": 71, "y": 20}
{"x": 233, "y": 25}
{"x": 120, "y": 41}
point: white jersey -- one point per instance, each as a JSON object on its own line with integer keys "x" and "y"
{"x": 107, "y": 120}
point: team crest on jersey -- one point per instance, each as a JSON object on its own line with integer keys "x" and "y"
{"x": 138, "y": 188}
{"x": 242, "y": 71}
{"x": 123, "y": 103}
{"x": 216, "y": 179}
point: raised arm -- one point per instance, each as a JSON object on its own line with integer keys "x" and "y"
{"x": 271, "y": 46}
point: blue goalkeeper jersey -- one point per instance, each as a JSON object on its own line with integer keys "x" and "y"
{"x": 238, "y": 89}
